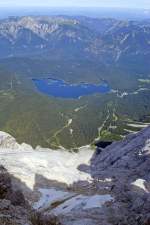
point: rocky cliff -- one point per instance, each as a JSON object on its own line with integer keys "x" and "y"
{"x": 13, "y": 208}
{"x": 110, "y": 186}
{"x": 126, "y": 165}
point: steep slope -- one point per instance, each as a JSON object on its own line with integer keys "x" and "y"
{"x": 118, "y": 191}
{"x": 13, "y": 208}
{"x": 126, "y": 165}
{"x": 124, "y": 158}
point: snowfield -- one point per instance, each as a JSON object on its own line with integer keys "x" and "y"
{"x": 60, "y": 165}
{"x": 25, "y": 163}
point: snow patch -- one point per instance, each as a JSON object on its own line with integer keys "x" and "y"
{"x": 71, "y": 131}
{"x": 51, "y": 196}
{"x": 137, "y": 125}
{"x": 69, "y": 122}
{"x": 82, "y": 202}
{"x": 140, "y": 183}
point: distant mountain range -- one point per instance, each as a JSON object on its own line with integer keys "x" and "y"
{"x": 107, "y": 40}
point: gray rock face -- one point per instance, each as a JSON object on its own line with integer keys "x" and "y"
{"x": 5, "y": 183}
{"x": 127, "y": 165}
{"x": 128, "y": 159}
{"x": 13, "y": 209}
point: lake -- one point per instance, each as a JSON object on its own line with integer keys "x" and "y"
{"x": 59, "y": 88}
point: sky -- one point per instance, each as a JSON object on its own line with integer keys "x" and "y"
{"x": 143, "y": 4}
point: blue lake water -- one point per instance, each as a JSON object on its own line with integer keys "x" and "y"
{"x": 59, "y": 88}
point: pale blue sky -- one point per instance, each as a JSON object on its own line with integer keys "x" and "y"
{"x": 79, "y": 3}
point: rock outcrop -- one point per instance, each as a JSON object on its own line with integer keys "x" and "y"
{"x": 7, "y": 141}
{"x": 13, "y": 208}
{"x": 128, "y": 159}
{"x": 118, "y": 192}
{"x": 126, "y": 165}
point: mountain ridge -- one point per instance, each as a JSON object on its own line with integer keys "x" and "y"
{"x": 102, "y": 38}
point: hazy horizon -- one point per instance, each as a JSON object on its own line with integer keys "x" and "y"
{"x": 136, "y": 4}
{"x": 97, "y": 12}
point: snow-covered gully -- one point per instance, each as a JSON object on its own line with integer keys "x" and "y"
{"x": 83, "y": 188}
